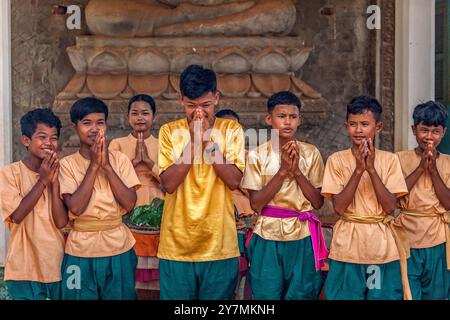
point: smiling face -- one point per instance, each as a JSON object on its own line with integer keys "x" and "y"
{"x": 206, "y": 103}
{"x": 43, "y": 140}
{"x": 363, "y": 126}
{"x": 140, "y": 116}
{"x": 426, "y": 134}
{"x": 286, "y": 119}
{"x": 88, "y": 127}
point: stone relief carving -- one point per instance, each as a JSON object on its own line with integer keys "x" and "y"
{"x": 146, "y": 18}
{"x": 142, "y": 46}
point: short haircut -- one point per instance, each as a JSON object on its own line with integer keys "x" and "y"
{"x": 85, "y": 106}
{"x": 30, "y": 120}
{"x": 144, "y": 98}
{"x": 196, "y": 81}
{"x": 430, "y": 113}
{"x": 227, "y": 112}
{"x": 283, "y": 97}
{"x": 364, "y": 104}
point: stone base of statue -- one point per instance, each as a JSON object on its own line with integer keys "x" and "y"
{"x": 249, "y": 70}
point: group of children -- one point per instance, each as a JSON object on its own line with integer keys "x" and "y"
{"x": 200, "y": 167}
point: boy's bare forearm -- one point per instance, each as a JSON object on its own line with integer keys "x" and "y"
{"x": 28, "y": 203}
{"x": 259, "y": 199}
{"x": 384, "y": 197}
{"x": 441, "y": 190}
{"x": 229, "y": 174}
{"x": 310, "y": 192}
{"x": 174, "y": 176}
{"x": 342, "y": 200}
{"x": 79, "y": 200}
{"x": 59, "y": 210}
{"x": 125, "y": 196}
{"x": 412, "y": 179}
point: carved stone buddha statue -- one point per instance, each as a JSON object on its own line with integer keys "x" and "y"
{"x": 153, "y": 18}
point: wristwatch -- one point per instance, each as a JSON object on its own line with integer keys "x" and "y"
{"x": 213, "y": 148}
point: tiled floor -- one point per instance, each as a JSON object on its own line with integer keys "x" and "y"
{"x": 3, "y": 292}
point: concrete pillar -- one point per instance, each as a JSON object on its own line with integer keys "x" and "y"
{"x": 5, "y": 104}
{"x": 414, "y": 64}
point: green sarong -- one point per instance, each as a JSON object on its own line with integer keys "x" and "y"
{"x": 283, "y": 270}
{"x": 105, "y": 278}
{"x": 428, "y": 275}
{"x": 32, "y": 290}
{"x": 351, "y": 281}
{"x": 209, "y": 280}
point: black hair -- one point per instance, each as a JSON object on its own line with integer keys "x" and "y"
{"x": 430, "y": 113}
{"x": 144, "y": 98}
{"x": 85, "y": 106}
{"x": 363, "y": 104}
{"x": 196, "y": 81}
{"x": 283, "y": 97}
{"x": 30, "y": 120}
{"x": 227, "y": 112}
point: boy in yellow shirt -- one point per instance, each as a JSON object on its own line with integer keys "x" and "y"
{"x": 201, "y": 159}
{"x": 33, "y": 211}
{"x": 98, "y": 187}
{"x": 284, "y": 177}
{"x": 425, "y": 210}
{"x": 142, "y": 149}
{"x": 368, "y": 251}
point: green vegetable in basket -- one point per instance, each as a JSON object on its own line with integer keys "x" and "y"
{"x": 148, "y": 215}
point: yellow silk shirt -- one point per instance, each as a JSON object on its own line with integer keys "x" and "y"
{"x": 198, "y": 222}
{"x": 102, "y": 206}
{"x": 357, "y": 242}
{"x": 150, "y": 187}
{"x": 423, "y": 232}
{"x": 262, "y": 164}
{"x": 36, "y": 245}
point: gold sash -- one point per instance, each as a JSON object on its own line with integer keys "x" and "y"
{"x": 445, "y": 216}
{"x": 96, "y": 225}
{"x": 401, "y": 241}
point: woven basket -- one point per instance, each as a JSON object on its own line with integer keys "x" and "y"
{"x": 143, "y": 229}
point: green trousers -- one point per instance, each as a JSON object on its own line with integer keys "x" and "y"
{"x": 209, "y": 280}
{"x": 351, "y": 281}
{"x": 283, "y": 270}
{"x": 428, "y": 276}
{"x": 32, "y": 290}
{"x": 105, "y": 278}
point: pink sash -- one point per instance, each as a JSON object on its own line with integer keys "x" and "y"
{"x": 315, "y": 228}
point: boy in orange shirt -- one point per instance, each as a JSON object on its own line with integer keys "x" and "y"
{"x": 368, "y": 251}
{"x": 33, "y": 211}
{"x": 98, "y": 187}
{"x": 425, "y": 210}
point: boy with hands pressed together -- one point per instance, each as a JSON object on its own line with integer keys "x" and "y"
{"x": 425, "y": 210}
{"x": 33, "y": 211}
{"x": 283, "y": 178}
{"x": 98, "y": 188}
{"x": 201, "y": 160}
{"x": 369, "y": 250}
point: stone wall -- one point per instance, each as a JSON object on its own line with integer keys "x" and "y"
{"x": 40, "y": 65}
{"x": 340, "y": 66}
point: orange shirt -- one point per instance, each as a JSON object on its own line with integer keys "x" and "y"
{"x": 357, "y": 242}
{"x": 423, "y": 232}
{"x": 102, "y": 206}
{"x": 36, "y": 245}
{"x": 150, "y": 186}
